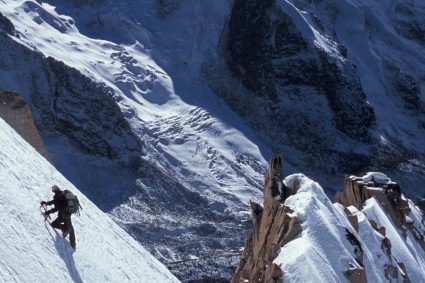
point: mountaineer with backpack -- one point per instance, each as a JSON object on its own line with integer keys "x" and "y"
{"x": 65, "y": 203}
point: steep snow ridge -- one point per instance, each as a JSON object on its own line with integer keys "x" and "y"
{"x": 323, "y": 252}
{"x": 373, "y": 239}
{"x": 320, "y": 254}
{"x": 31, "y": 251}
{"x": 405, "y": 250}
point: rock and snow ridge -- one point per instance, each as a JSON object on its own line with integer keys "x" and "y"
{"x": 304, "y": 237}
{"x": 204, "y": 154}
{"x": 31, "y": 251}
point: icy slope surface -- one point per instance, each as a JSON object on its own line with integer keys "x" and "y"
{"x": 323, "y": 251}
{"x": 31, "y": 251}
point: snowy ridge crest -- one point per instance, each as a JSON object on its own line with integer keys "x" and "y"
{"x": 372, "y": 234}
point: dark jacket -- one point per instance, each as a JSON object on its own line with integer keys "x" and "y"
{"x": 59, "y": 201}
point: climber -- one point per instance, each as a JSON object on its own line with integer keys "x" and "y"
{"x": 63, "y": 221}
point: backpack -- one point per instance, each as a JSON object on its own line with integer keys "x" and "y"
{"x": 73, "y": 204}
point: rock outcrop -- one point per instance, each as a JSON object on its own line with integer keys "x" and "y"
{"x": 357, "y": 190}
{"x": 17, "y": 114}
{"x": 273, "y": 228}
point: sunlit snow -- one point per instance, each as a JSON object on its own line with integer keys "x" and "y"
{"x": 322, "y": 252}
{"x": 32, "y": 251}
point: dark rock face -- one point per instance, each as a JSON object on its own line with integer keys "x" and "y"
{"x": 65, "y": 100}
{"x": 406, "y": 87}
{"x": 282, "y": 73}
{"x": 6, "y": 25}
{"x": 96, "y": 110}
{"x": 254, "y": 41}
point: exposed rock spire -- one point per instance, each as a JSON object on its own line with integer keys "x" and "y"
{"x": 273, "y": 228}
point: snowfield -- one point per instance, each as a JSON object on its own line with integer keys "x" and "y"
{"x": 32, "y": 251}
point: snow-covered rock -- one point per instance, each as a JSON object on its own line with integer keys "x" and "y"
{"x": 304, "y": 237}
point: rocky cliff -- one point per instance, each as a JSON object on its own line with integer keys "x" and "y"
{"x": 293, "y": 82}
{"x": 298, "y": 233}
{"x": 17, "y": 114}
{"x": 273, "y": 228}
{"x": 357, "y": 190}
{"x": 299, "y": 64}
{"x": 65, "y": 101}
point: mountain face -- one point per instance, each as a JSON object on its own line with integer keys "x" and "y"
{"x": 276, "y": 59}
{"x": 164, "y": 112}
{"x": 372, "y": 234}
{"x": 319, "y": 72}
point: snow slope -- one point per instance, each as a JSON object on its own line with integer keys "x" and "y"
{"x": 201, "y": 152}
{"x": 323, "y": 251}
{"x": 31, "y": 251}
